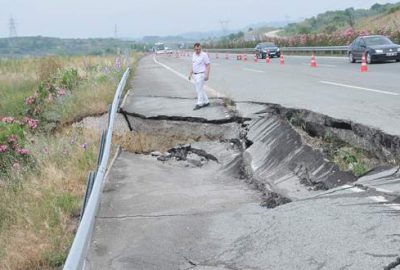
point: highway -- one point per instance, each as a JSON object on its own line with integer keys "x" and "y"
{"x": 335, "y": 88}
{"x": 213, "y": 204}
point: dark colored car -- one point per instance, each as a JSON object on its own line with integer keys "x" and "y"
{"x": 376, "y": 48}
{"x": 262, "y": 49}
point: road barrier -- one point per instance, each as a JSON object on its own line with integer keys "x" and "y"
{"x": 340, "y": 50}
{"x": 77, "y": 253}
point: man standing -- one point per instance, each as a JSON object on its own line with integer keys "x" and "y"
{"x": 200, "y": 71}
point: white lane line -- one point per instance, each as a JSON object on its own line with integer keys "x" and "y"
{"x": 207, "y": 88}
{"x": 253, "y": 70}
{"x": 360, "y": 88}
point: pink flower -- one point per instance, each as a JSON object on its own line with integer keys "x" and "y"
{"x": 61, "y": 92}
{"x": 3, "y": 148}
{"x": 30, "y": 100}
{"x": 12, "y": 139}
{"x": 9, "y": 120}
{"x": 23, "y": 151}
{"x": 32, "y": 123}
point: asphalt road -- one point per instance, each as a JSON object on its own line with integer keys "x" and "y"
{"x": 336, "y": 87}
{"x": 172, "y": 215}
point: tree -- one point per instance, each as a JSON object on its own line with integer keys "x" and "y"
{"x": 350, "y": 16}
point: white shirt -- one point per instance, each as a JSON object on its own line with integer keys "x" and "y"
{"x": 199, "y": 62}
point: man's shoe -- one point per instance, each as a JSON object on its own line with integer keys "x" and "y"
{"x": 197, "y": 107}
{"x": 206, "y": 104}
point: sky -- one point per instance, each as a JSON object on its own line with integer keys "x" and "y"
{"x": 97, "y": 18}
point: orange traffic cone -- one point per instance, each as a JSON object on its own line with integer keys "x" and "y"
{"x": 245, "y": 57}
{"x": 255, "y": 58}
{"x": 267, "y": 59}
{"x": 282, "y": 59}
{"x": 364, "y": 67}
{"x": 313, "y": 62}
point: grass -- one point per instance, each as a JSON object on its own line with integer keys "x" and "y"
{"x": 40, "y": 214}
{"x": 145, "y": 143}
{"x": 40, "y": 203}
{"x": 344, "y": 155}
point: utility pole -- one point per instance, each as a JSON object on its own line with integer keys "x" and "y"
{"x": 224, "y": 25}
{"x": 12, "y": 27}
{"x": 116, "y": 31}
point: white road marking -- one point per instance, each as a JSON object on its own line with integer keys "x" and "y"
{"x": 253, "y": 70}
{"x": 360, "y": 88}
{"x": 207, "y": 88}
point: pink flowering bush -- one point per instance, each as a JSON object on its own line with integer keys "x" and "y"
{"x": 12, "y": 143}
{"x": 338, "y": 38}
{"x": 51, "y": 90}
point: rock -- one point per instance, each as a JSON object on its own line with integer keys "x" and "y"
{"x": 156, "y": 154}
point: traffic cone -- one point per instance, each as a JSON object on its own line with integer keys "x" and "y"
{"x": 245, "y": 57}
{"x": 282, "y": 59}
{"x": 255, "y": 58}
{"x": 267, "y": 59}
{"x": 364, "y": 67}
{"x": 313, "y": 62}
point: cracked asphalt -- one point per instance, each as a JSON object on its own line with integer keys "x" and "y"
{"x": 172, "y": 215}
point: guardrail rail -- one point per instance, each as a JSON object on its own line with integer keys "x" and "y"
{"x": 324, "y": 49}
{"x": 77, "y": 253}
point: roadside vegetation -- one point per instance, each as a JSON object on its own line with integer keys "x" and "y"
{"x": 44, "y": 161}
{"x": 332, "y": 28}
{"x": 347, "y": 157}
{"x": 42, "y": 46}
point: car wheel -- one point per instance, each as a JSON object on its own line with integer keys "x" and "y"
{"x": 369, "y": 58}
{"x": 351, "y": 58}
{"x": 397, "y": 60}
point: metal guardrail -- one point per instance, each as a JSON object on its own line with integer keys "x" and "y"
{"x": 77, "y": 253}
{"x": 325, "y": 49}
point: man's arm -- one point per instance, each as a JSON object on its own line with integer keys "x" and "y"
{"x": 208, "y": 67}
{"x": 190, "y": 73}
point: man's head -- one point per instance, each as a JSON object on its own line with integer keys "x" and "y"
{"x": 197, "y": 48}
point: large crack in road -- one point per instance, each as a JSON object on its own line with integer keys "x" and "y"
{"x": 247, "y": 186}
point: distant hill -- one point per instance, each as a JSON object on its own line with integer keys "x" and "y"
{"x": 333, "y": 21}
{"x": 388, "y": 20}
{"x": 40, "y": 46}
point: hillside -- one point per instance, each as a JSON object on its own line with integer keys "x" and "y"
{"x": 39, "y": 46}
{"x": 387, "y": 21}
{"x": 333, "y": 21}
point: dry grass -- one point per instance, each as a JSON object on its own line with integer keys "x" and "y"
{"x": 143, "y": 143}
{"x": 385, "y": 21}
{"x": 42, "y": 212}
{"x": 39, "y": 209}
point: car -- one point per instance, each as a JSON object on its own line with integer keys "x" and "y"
{"x": 262, "y": 49}
{"x": 376, "y": 48}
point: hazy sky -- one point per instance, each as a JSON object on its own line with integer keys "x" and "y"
{"x": 91, "y": 18}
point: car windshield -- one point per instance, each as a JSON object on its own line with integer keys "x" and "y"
{"x": 268, "y": 45}
{"x": 371, "y": 41}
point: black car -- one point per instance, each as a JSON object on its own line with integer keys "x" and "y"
{"x": 262, "y": 49}
{"x": 376, "y": 48}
